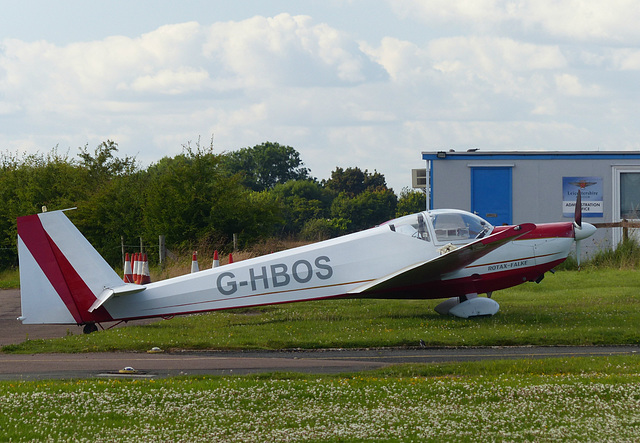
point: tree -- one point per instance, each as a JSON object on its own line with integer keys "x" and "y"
{"x": 190, "y": 197}
{"x": 319, "y": 229}
{"x": 353, "y": 181}
{"x": 301, "y": 201}
{"x": 31, "y": 182}
{"x": 265, "y": 165}
{"x": 410, "y": 202}
{"x": 361, "y": 198}
{"x": 103, "y": 164}
{"x": 113, "y": 206}
{"x": 365, "y": 210}
{"x": 181, "y": 193}
{"x": 114, "y": 210}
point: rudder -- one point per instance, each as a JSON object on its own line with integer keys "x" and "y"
{"x": 61, "y": 274}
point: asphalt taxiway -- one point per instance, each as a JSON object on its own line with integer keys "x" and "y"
{"x": 164, "y": 364}
{"x": 90, "y": 365}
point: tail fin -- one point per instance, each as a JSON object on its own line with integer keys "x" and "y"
{"x": 61, "y": 274}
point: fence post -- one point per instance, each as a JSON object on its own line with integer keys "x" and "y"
{"x": 162, "y": 249}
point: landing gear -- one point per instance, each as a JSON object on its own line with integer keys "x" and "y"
{"x": 89, "y": 328}
{"x": 469, "y": 305}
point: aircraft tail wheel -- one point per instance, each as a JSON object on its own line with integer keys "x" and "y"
{"x": 472, "y": 307}
{"x": 89, "y": 328}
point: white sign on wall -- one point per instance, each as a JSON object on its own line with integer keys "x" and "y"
{"x": 591, "y": 194}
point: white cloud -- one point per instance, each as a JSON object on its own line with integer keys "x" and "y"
{"x": 480, "y": 73}
{"x": 571, "y": 85}
{"x": 177, "y": 59}
{"x": 172, "y": 82}
{"x": 612, "y": 20}
{"x": 491, "y": 135}
{"x": 403, "y": 60}
{"x": 180, "y": 80}
{"x": 491, "y": 54}
{"x": 285, "y": 49}
{"x": 626, "y": 59}
{"x": 455, "y": 55}
{"x": 480, "y": 12}
{"x": 580, "y": 20}
{"x": 468, "y": 75}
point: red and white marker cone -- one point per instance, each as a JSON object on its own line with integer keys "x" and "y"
{"x": 133, "y": 261}
{"x": 134, "y": 266}
{"x": 194, "y": 262}
{"x": 146, "y": 275}
{"x": 216, "y": 261}
{"x": 128, "y": 272}
{"x": 230, "y": 258}
{"x": 137, "y": 269}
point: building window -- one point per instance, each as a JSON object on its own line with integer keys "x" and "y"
{"x": 630, "y": 195}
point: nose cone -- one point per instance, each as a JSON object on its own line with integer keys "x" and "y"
{"x": 586, "y": 231}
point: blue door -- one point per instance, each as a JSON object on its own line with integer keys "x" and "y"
{"x": 491, "y": 194}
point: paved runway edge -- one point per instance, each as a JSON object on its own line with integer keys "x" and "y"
{"x": 68, "y": 366}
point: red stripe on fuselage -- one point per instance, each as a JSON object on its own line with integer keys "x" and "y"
{"x": 544, "y": 230}
{"x": 70, "y": 287}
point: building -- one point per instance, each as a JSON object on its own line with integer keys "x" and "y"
{"x": 539, "y": 187}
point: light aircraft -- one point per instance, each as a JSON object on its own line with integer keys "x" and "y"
{"x": 433, "y": 254}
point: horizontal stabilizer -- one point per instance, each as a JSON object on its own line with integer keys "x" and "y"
{"x": 128, "y": 288}
{"x": 453, "y": 260}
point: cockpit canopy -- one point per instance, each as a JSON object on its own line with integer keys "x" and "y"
{"x": 413, "y": 225}
{"x": 452, "y": 225}
{"x": 447, "y": 225}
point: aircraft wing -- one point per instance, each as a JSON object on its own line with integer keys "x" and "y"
{"x": 433, "y": 269}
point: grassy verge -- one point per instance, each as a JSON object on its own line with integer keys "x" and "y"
{"x": 556, "y": 399}
{"x": 569, "y": 308}
{"x": 9, "y": 279}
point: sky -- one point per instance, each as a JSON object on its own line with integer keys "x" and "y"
{"x": 366, "y": 83}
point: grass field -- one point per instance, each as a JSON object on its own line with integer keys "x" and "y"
{"x": 569, "y": 399}
{"x": 578, "y": 399}
{"x": 9, "y": 278}
{"x": 568, "y": 308}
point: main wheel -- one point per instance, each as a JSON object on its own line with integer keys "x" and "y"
{"x": 89, "y": 328}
